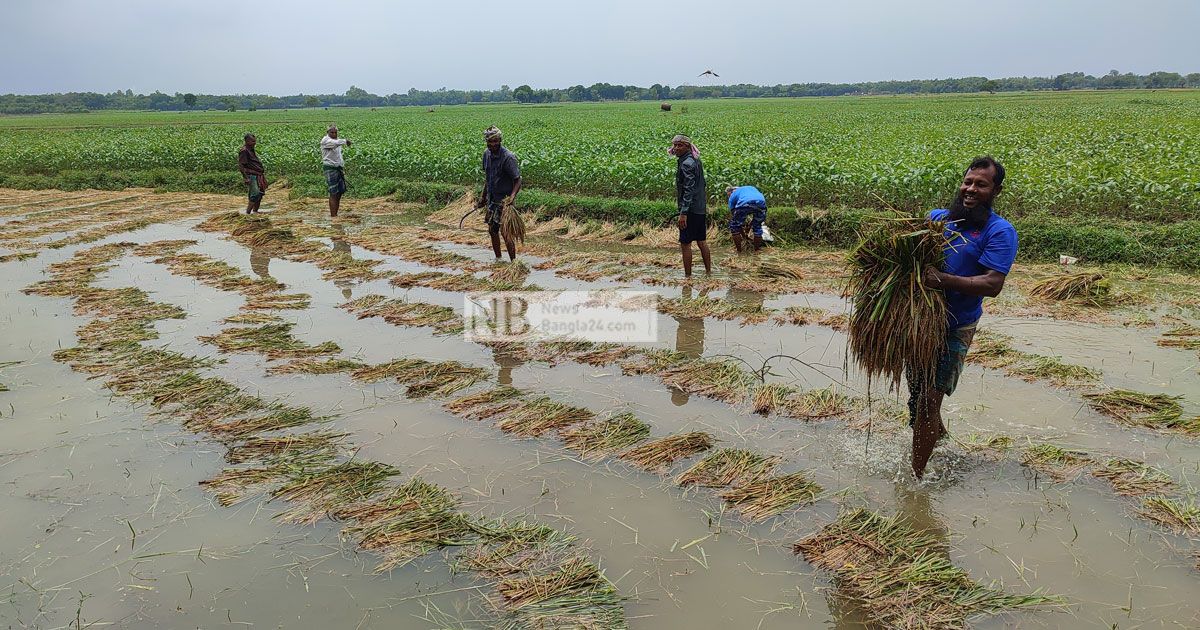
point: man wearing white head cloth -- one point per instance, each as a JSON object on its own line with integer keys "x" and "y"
{"x": 692, "y": 200}
{"x": 502, "y": 182}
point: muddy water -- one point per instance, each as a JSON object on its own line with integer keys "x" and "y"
{"x": 104, "y": 521}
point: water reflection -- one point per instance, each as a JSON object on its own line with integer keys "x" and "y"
{"x": 340, "y": 245}
{"x": 507, "y": 310}
{"x": 753, "y": 299}
{"x": 689, "y": 341}
{"x": 260, "y": 263}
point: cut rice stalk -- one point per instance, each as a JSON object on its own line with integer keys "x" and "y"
{"x": 316, "y": 366}
{"x": 539, "y": 416}
{"x": 900, "y": 578}
{"x": 818, "y": 404}
{"x": 1182, "y": 517}
{"x": 718, "y": 379}
{"x": 769, "y": 496}
{"x": 728, "y": 467}
{"x": 1060, "y": 464}
{"x": 594, "y": 440}
{"x": 1132, "y": 478}
{"x": 318, "y": 493}
{"x": 1156, "y": 411}
{"x": 658, "y": 454}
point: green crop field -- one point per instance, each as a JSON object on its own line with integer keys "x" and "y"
{"x": 1122, "y": 154}
{"x": 1112, "y": 176}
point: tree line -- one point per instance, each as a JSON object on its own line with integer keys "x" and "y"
{"x": 358, "y": 97}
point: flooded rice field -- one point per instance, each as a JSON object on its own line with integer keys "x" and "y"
{"x": 213, "y": 420}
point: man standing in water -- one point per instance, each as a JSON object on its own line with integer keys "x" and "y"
{"x": 334, "y": 167}
{"x": 691, "y": 197}
{"x": 502, "y": 182}
{"x": 983, "y": 246}
{"x": 252, "y": 172}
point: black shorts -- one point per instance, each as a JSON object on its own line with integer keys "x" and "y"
{"x": 696, "y": 230}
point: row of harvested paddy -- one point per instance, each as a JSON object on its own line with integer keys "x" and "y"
{"x": 116, "y": 489}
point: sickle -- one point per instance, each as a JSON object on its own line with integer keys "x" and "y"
{"x": 465, "y": 216}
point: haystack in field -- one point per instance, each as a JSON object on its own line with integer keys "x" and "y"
{"x": 897, "y": 320}
{"x": 1084, "y": 286}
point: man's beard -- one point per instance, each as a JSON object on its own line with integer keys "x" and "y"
{"x": 969, "y": 217}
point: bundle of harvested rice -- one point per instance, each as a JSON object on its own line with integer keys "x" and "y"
{"x": 512, "y": 226}
{"x": 897, "y": 321}
{"x": 728, "y": 467}
{"x": 769, "y": 496}
{"x": 1156, "y": 411}
{"x": 899, "y": 576}
{"x": 661, "y": 453}
{"x": 1084, "y": 286}
{"x": 594, "y": 440}
{"x": 1060, "y": 464}
{"x": 1132, "y": 478}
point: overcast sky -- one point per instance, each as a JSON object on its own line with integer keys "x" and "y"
{"x": 386, "y": 46}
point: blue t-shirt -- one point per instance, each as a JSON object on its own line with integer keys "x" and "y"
{"x": 746, "y": 197}
{"x": 972, "y": 253}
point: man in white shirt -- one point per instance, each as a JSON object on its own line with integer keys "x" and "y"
{"x": 333, "y": 164}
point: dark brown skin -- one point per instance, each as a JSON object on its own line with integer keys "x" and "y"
{"x": 252, "y": 206}
{"x": 493, "y": 145}
{"x": 686, "y": 250}
{"x": 977, "y": 189}
{"x": 335, "y": 201}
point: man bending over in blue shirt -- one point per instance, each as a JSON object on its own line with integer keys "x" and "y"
{"x": 982, "y": 248}
{"x": 746, "y": 202}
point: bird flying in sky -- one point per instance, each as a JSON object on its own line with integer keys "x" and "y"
{"x": 709, "y": 72}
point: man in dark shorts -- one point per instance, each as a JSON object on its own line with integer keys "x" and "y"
{"x": 692, "y": 201}
{"x": 983, "y": 246}
{"x": 333, "y": 165}
{"x": 502, "y": 182}
{"x": 252, "y": 173}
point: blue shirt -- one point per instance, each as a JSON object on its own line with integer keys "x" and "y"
{"x": 973, "y": 253}
{"x": 747, "y": 197}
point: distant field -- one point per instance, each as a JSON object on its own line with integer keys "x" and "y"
{"x": 1125, "y": 155}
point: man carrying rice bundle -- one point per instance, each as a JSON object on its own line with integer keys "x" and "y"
{"x": 253, "y": 173}
{"x": 334, "y": 167}
{"x": 982, "y": 248}
{"x": 692, "y": 201}
{"x": 746, "y": 203}
{"x": 502, "y": 182}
